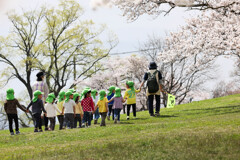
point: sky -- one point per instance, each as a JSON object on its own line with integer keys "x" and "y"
{"x": 130, "y": 34}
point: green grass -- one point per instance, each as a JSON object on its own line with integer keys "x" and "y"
{"x": 201, "y": 130}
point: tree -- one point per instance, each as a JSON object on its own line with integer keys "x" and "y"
{"x": 54, "y": 40}
{"x": 20, "y": 48}
{"x": 71, "y": 44}
{"x": 135, "y": 8}
{"x": 3, "y": 116}
{"x": 113, "y": 73}
{"x": 181, "y": 74}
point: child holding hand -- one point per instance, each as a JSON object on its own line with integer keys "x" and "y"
{"x": 130, "y": 95}
{"x": 61, "y": 98}
{"x": 78, "y": 110}
{"x": 117, "y": 105}
{"x": 95, "y": 100}
{"x": 10, "y": 107}
{"x": 110, "y": 105}
{"x": 102, "y": 105}
{"x": 88, "y": 106}
{"x": 69, "y": 110}
{"x": 51, "y": 109}
{"x": 37, "y": 109}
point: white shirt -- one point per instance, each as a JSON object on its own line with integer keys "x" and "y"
{"x": 51, "y": 110}
{"x": 68, "y": 106}
{"x": 95, "y": 100}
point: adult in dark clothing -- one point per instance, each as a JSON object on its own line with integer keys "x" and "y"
{"x": 10, "y": 107}
{"x": 37, "y": 109}
{"x": 154, "y": 87}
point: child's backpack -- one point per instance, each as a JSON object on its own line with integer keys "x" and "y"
{"x": 152, "y": 83}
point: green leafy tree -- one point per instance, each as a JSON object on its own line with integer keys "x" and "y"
{"x": 55, "y": 40}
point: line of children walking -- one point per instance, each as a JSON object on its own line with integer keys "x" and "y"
{"x": 73, "y": 108}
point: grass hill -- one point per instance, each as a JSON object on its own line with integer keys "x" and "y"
{"x": 207, "y": 129}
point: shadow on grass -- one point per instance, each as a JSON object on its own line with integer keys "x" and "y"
{"x": 125, "y": 122}
{"x": 139, "y": 119}
{"x": 166, "y": 116}
{"x": 215, "y": 111}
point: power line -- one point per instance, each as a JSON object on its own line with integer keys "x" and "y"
{"x": 129, "y": 52}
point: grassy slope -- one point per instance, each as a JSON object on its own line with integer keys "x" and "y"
{"x": 201, "y": 130}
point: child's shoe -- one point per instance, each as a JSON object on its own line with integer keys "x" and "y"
{"x": 17, "y": 132}
{"x": 118, "y": 122}
{"x": 108, "y": 118}
{"x": 46, "y": 129}
{"x": 127, "y": 117}
{"x": 115, "y": 120}
{"x": 95, "y": 121}
{"x": 12, "y": 133}
{"x": 35, "y": 130}
{"x": 40, "y": 130}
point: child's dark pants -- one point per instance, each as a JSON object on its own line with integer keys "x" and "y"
{"x": 38, "y": 120}
{"x": 69, "y": 117}
{"x": 77, "y": 118}
{"x": 111, "y": 111}
{"x": 87, "y": 118}
{"x": 60, "y": 120}
{"x": 12, "y": 117}
{"x": 133, "y": 108}
{"x": 52, "y": 123}
{"x": 103, "y": 117}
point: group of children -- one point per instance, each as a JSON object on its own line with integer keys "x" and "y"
{"x": 72, "y": 108}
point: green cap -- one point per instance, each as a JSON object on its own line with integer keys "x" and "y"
{"x": 94, "y": 92}
{"x": 72, "y": 90}
{"x": 61, "y": 96}
{"x": 130, "y": 85}
{"x": 118, "y": 92}
{"x": 111, "y": 89}
{"x": 75, "y": 95}
{"x": 68, "y": 94}
{"x": 102, "y": 94}
{"x": 35, "y": 95}
{"x": 50, "y": 98}
{"x": 10, "y": 94}
{"x": 86, "y": 90}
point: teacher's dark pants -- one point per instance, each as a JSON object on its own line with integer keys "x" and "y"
{"x": 150, "y": 103}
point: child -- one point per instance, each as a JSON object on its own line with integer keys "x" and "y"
{"x": 10, "y": 107}
{"x": 117, "y": 105}
{"x": 130, "y": 95}
{"x": 102, "y": 105}
{"x": 51, "y": 109}
{"x": 78, "y": 111}
{"x": 37, "y": 108}
{"x": 69, "y": 110}
{"x": 95, "y": 100}
{"x": 88, "y": 106}
{"x": 110, "y": 105}
{"x": 61, "y": 98}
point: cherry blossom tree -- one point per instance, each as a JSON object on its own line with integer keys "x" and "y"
{"x": 132, "y": 9}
